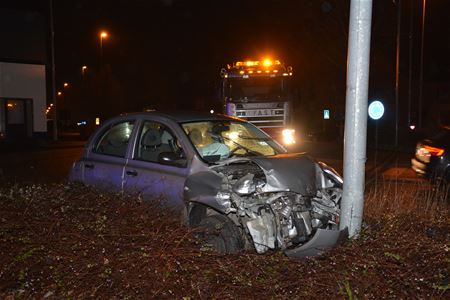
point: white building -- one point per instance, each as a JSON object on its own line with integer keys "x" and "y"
{"x": 24, "y": 70}
{"x": 22, "y": 101}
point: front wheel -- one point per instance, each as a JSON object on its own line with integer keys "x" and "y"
{"x": 220, "y": 234}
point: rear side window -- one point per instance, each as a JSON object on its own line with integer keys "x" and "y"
{"x": 114, "y": 140}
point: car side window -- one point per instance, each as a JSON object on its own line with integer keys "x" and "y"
{"x": 114, "y": 140}
{"x": 154, "y": 139}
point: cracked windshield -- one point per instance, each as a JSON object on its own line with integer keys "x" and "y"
{"x": 219, "y": 140}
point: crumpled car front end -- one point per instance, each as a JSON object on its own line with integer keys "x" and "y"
{"x": 285, "y": 202}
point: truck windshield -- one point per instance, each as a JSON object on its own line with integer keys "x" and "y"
{"x": 220, "y": 140}
{"x": 256, "y": 89}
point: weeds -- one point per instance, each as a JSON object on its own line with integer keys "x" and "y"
{"x": 421, "y": 198}
{"x": 68, "y": 241}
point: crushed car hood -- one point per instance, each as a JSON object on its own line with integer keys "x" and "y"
{"x": 294, "y": 172}
{"x": 284, "y": 172}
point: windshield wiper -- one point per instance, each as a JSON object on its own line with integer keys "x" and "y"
{"x": 264, "y": 139}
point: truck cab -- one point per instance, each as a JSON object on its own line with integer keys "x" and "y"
{"x": 259, "y": 91}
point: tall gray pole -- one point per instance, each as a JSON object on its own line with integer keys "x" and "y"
{"x": 411, "y": 30}
{"x": 101, "y": 51}
{"x": 424, "y": 6}
{"x": 397, "y": 68}
{"x": 356, "y": 115}
{"x": 52, "y": 42}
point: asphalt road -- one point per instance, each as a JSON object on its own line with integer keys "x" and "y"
{"x": 49, "y": 164}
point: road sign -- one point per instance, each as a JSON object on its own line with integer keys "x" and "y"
{"x": 326, "y": 114}
{"x": 376, "y": 110}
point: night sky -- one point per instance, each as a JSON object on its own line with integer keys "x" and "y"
{"x": 167, "y": 54}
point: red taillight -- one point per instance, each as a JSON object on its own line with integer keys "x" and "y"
{"x": 433, "y": 151}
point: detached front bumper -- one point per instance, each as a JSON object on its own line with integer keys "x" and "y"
{"x": 322, "y": 241}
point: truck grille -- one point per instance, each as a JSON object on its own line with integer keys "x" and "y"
{"x": 263, "y": 117}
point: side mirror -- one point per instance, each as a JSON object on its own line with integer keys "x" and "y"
{"x": 172, "y": 159}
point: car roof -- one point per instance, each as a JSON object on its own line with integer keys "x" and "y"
{"x": 184, "y": 116}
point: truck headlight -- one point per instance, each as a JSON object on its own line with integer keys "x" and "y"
{"x": 288, "y": 136}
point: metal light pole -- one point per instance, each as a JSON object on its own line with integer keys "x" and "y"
{"x": 424, "y": 5}
{"x": 356, "y": 115}
{"x": 103, "y": 35}
{"x": 83, "y": 73}
{"x": 397, "y": 68}
{"x": 411, "y": 18}
{"x": 52, "y": 45}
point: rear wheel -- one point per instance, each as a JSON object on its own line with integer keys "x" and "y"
{"x": 220, "y": 234}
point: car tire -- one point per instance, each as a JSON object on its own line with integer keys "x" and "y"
{"x": 220, "y": 234}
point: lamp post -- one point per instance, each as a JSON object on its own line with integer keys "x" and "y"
{"x": 103, "y": 35}
{"x": 83, "y": 72}
{"x": 397, "y": 68}
{"x": 424, "y": 6}
{"x": 52, "y": 46}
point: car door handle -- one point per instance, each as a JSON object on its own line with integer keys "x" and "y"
{"x": 89, "y": 166}
{"x": 131, "y": 172}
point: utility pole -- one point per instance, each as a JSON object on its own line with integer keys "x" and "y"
{"x": 356, "y": 115}
{"x": 397, "y": 68}
{"x": 424, "y": 5}
{"x": 52, "y": 43}
{"x": 411, "y": 18}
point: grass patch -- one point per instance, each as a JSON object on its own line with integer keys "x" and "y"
{"x": 69, "y": 241}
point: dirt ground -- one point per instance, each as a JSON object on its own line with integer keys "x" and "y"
{"x": 68, "y": 241}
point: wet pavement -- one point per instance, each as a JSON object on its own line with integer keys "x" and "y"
{"x": 44, "y": 162}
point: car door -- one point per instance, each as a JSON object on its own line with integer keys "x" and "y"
{"x": 104, "y": 164}
{"x": 146, "y": 174}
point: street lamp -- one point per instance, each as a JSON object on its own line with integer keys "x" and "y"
{"x": 65, "y": 84}
{"x": 424, "y": 6}
{"x": 83, "y": 71}
{"x": 103, "y": 35}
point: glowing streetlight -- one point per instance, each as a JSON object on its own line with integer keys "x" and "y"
{"x": 103, "y": 35}
{"x": 83, "y": 71}
{"x": 59, "y": 93}
{"x": 66, "y": 84}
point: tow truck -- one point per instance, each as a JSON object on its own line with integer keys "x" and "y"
{"x": 259, "y": 91}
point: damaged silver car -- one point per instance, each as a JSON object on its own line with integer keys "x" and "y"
{"x": 224, "y": 175}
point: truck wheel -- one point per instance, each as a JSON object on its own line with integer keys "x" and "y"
{"x": 220, "y": 234}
